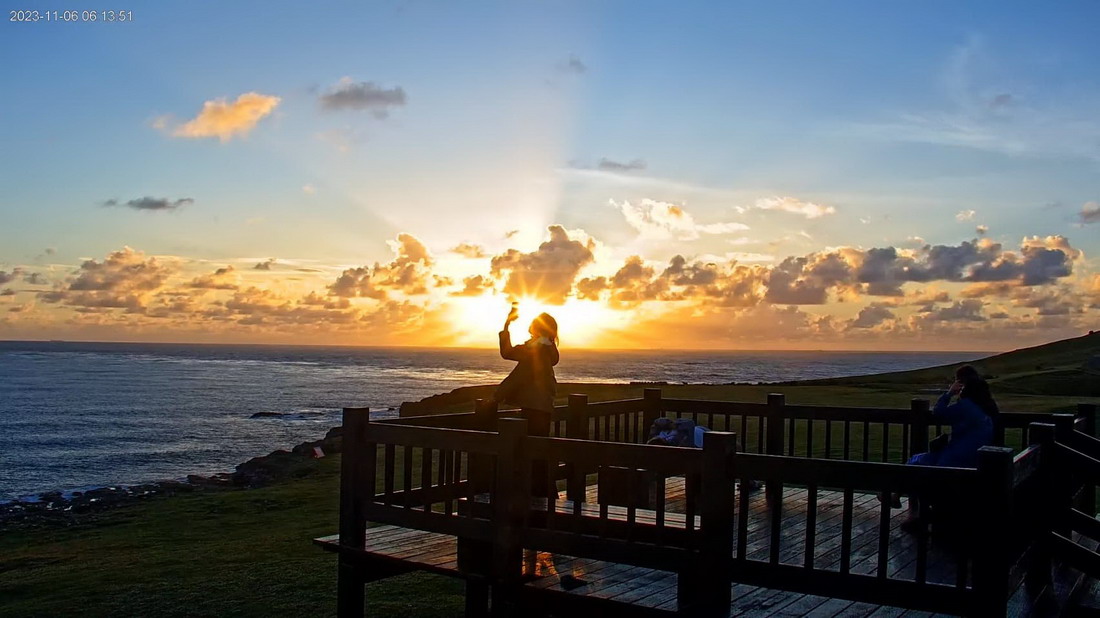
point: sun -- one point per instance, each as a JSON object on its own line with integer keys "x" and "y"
{"x": 581, "y": 323}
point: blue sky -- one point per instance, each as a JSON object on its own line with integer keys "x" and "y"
{"x": 900, "y": 118}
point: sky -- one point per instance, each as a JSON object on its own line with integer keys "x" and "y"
{"x": 792, "y": 175}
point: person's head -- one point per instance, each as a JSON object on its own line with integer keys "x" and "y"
{"x": 976, "y": 389}
{"x": 967, "y": 374}
{"x": 544, "y": 326}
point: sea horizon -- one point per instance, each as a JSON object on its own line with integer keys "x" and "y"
{"x": 494, "y": 347}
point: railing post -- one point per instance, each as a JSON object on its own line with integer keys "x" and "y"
{"x": 919, "y": 418}
{"x": 357, "y": 469}
{"x": 1063, "y": 426}
{"x": 991, "y": 556}
{"x": 576, "y": 427}
{"x": 485, "y": 411}
{"x": 480, "y": 474}
{"x": 1066, "y": 484}
{"x": 773, "y": 443}
{"x": 511, "y": 500}
{"x": 652, "y": 409}
{"x": 716, "y": 510}
{"x": 1042, "y": 511}
{"x": 1089, "y": 411}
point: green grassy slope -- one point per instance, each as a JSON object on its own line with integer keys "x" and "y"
{"x": 1056, "y": 368}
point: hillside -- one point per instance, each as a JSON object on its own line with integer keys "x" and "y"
{"x": 1056, "y": 368}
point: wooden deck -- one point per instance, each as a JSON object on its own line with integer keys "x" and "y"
{"x": 656, "y": 590}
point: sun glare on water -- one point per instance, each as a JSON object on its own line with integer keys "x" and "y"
{"x": 581, "y": 323}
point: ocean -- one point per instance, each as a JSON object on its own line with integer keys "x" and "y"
{"x": 81, "y": 415}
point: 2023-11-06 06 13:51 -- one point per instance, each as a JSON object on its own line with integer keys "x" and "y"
{"x": 35, "y": 16}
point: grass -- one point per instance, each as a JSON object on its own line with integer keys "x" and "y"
{"x": 214, "y": 553}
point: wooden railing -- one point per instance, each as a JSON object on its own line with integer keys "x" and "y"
{"x": 1070, "y": 473}
{"x": 887, "y": 435}
{"x": 794, "y": 557}
{"x": 483, "y": 479}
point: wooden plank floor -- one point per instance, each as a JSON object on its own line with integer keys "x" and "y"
{"x": 657, "y": 589}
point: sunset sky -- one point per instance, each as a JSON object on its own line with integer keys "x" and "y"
{"x": 806, "y": 175}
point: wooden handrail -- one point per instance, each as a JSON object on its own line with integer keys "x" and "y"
{"x": 432, "y": 437}
{"x": 1025, "y": 465}
{"x": 841, "y": 474}
{"x": 672, "y": 460}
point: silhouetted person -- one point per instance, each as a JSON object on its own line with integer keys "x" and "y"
{"x": 531, "y": 384}
{"x": 971, "y": 418}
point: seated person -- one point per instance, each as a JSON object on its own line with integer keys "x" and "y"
{"x": 971, "y": 419}
{"x": 971, "y": 422}
{"x": 676, "y": 432}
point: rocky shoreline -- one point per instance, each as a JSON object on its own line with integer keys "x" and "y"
{"x": 70, "y": 508}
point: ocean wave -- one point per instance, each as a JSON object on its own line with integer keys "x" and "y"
{"x": 296, "y": 415}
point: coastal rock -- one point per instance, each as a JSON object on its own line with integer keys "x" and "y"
{"x": 458, "y": 400}
{"x": 216, "y": 480}
{"x": 54, "y": 508}
{"x": 260, "y": 471}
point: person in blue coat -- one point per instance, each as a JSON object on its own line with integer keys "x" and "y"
{"x": 971, "y": 418}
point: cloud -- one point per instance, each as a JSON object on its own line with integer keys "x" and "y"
{"x": 309, "y": 189}
{"x": 152, "y": 203}
{"x": 871, "y": 316}
{"x": 254, "y": 307}
{"x": 965, "y": 215}
{"x": 662, "y": 220}
{"x": 572, "y": 65}
{"x": 220, "y": 279}
{"x": 1090, "y": 213}
{"x": 793, "y": 205}
{"x": 807, "y": 280}
{"x": 547, "y": 273}
{"x": 633, "y": 283}
{"x": 591, "y": 288}
{"x": 125, "y": 279}
{"x": 6, "y": 277}
{"x": 469, "y": 250}
{"x": 844, "y": 273}
{"x": 1040, "y": 261}
{"x": 609, "y": 165}
{"x": 964, "y": 310}
{"x": 224, "y": 120}
{"x": 34, "y": 279}
{"x": 408, "y": 273}
{"x": 362, "y": 96}
{"x": 264, "y": 265}
{"x": 981, "y": 230}
{"x": 475, "y": 285}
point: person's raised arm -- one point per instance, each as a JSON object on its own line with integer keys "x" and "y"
{"x": 944, "y": 408}
{"x": 507, "y": 350}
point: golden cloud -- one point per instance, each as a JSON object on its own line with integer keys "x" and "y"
{"x": 224, "y": 120}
